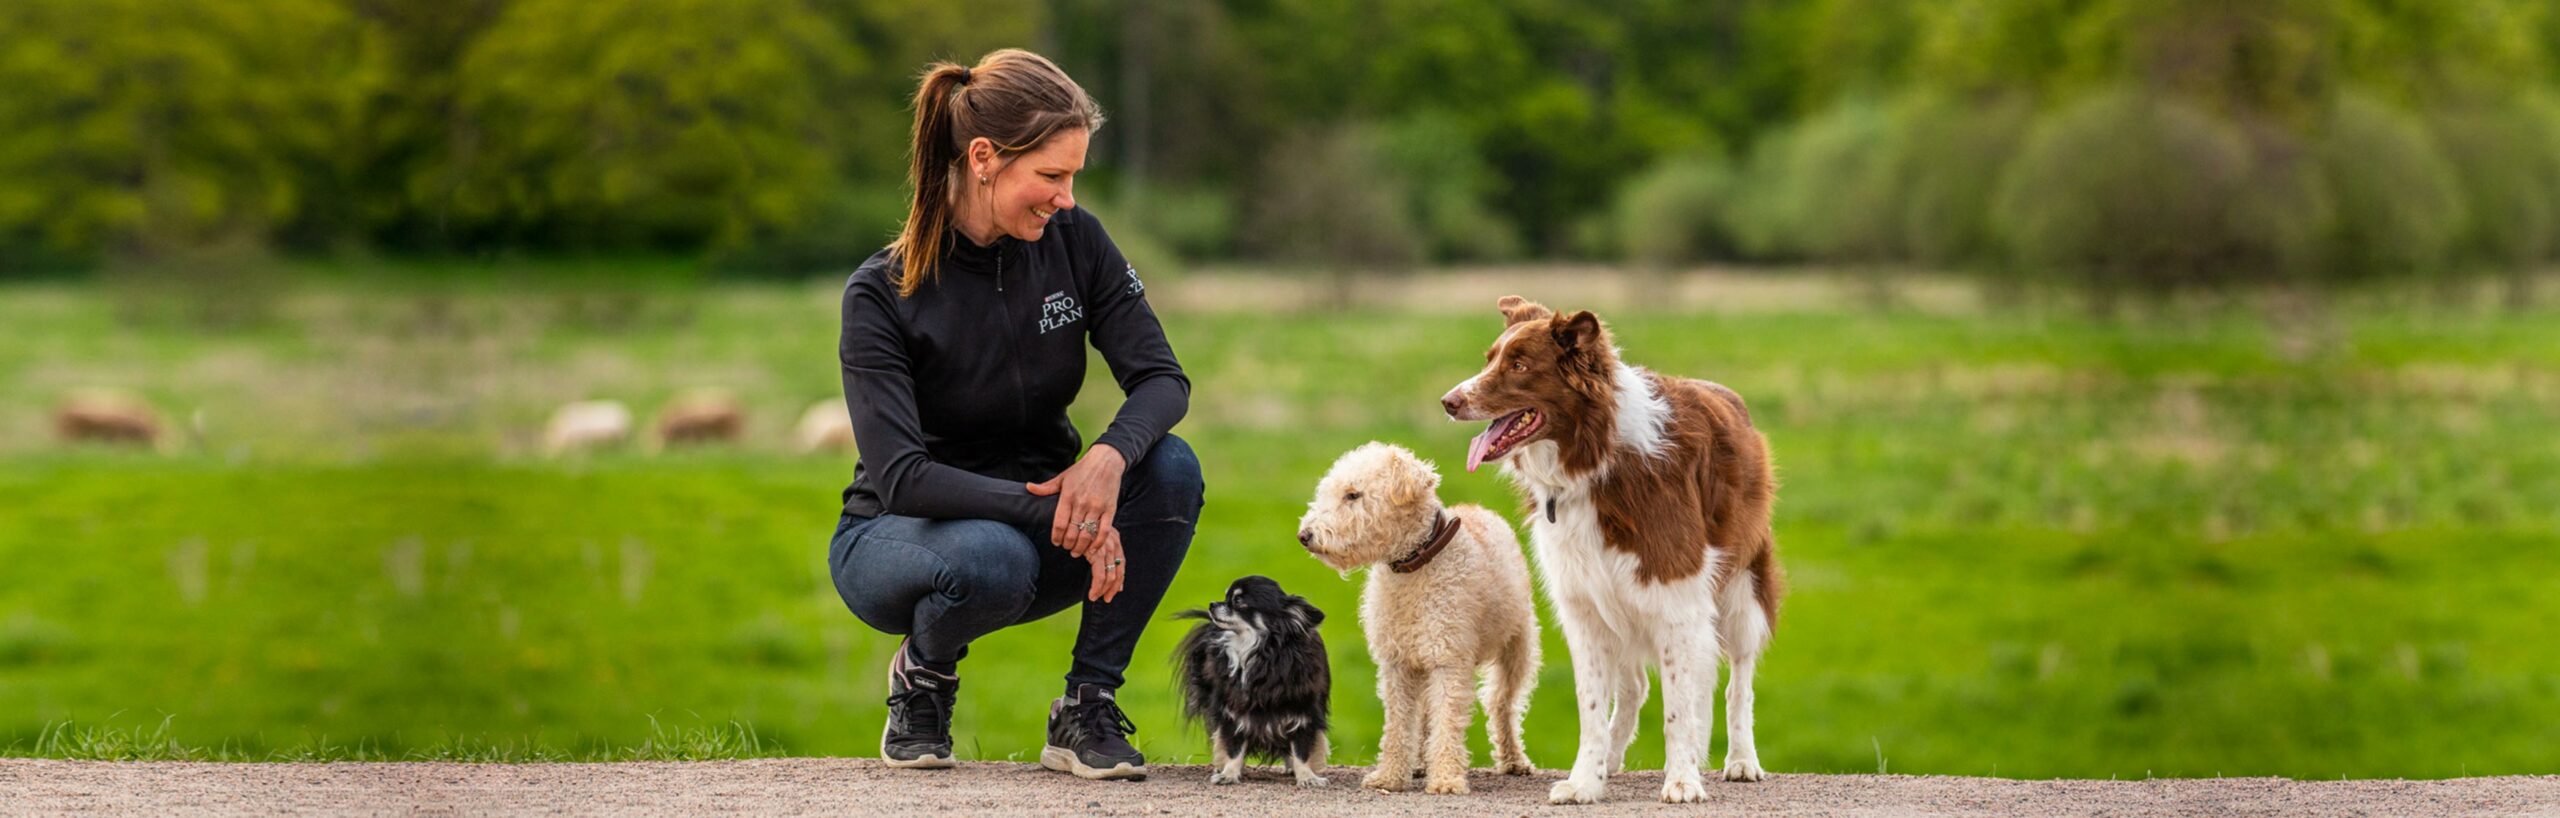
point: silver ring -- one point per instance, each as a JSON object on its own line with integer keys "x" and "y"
{"x": 1115, "y": 562}
{"x": 1089, "y": 526}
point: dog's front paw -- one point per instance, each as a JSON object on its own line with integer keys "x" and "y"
{"x": 1446, "y": 785}
{"x": 1684, "y": 790}
{"x": 1221, "y": 777}
{"x": 1576, "y": 791}
{"x": 1743, "y": 769}
{"x": 1314, "y": 781}
{"x": 1386, "y": 780}
{"x": 1517, "y": 766}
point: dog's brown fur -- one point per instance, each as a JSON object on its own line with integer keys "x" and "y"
{"x": 1715, "y": 486}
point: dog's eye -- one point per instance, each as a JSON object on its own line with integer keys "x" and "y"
{"x": 1348, "y": 496}
{"x": 1517, "y": 366}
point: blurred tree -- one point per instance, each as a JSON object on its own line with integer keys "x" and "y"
{"x": 661, "y": 124}
{"x": 130, "y": 126}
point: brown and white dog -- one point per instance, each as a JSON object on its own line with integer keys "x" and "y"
{"x": 1649, "y": 500}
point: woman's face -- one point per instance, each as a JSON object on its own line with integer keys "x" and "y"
{"x": 1023, "y": 193}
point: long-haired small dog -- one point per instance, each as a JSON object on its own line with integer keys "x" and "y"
{"x": 1254, "y": 672}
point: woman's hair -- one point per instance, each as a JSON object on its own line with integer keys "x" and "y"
{"x": 1014, "y": 98}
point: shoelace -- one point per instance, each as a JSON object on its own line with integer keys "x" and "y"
{"x": 920, "y": 713}
{"x": 1092, "y": 719}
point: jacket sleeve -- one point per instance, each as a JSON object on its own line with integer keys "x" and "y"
{"x": 1132, "y": 342}
{"x": 879, "y": 391}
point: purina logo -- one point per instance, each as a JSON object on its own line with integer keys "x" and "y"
{"x": 1136, "y": 287}
{"x": 1058, "y": 310}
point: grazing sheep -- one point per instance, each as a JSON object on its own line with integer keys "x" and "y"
{"x": 825, "y": 427}
{"x": 586, "y": 425}
{"x": 700, "y": 419}
{"x": 107, "y": 418}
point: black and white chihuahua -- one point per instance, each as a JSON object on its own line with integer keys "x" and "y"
{"x": 1255, "y": 673}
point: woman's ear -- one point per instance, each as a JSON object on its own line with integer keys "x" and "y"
{"x": 982, "y": 161}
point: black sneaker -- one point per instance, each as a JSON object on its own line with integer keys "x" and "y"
{"x": 918, "y": 734}
{"x": 1089, "y": 736}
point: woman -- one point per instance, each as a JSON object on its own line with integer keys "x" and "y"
{"x": 963, "y": 343}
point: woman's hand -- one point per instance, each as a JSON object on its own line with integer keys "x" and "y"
{"x": 1088, "y": 498}
{"x": 1109, "y": 575}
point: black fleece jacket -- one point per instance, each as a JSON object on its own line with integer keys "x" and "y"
{"x": 959, "y": 392}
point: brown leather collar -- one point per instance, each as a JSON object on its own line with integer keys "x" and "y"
{"x": 1443, "y": 530}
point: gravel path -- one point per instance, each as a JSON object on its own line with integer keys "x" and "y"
{"x": 862, "y": 787}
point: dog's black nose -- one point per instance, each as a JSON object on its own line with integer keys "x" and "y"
{"x": 1306, "y": 538}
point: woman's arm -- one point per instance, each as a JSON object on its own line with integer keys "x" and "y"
{"x": 879, "y": 391}
{"x": 1132, "y": 342}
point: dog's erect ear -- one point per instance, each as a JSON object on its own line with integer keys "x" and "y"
{"x": 1516, "y": 309}
{"x": 1313, "y": 614}
{"x": 1578, "y": 333}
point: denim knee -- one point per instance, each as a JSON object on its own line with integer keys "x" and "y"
{"x": 989, "y": 565}
{"x": 1167, "y": 484}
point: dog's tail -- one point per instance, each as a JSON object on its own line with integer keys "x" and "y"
{"x": 1514, "y": 673}
{"x": 1505, "y": 697}
{"x": 1192, "y": 666}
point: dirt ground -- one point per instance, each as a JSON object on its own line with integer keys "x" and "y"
{"x": 865, "y": 787}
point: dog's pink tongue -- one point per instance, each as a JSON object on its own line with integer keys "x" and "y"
{"x": 1483, "y": 443}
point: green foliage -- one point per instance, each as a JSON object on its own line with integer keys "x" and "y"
{"x": 2507, "y": 158}
{"x": 132, "y": 125}
{"x": 1826, "y": 188}
{"x": 1950, "y": 155}
{"x": 2400, "y": 204}
{"x": 1328, "y": 198}
{"x": 2135, "y": 191}
{"x": 664, "y": 123}
{"x": 1677, "y": 213}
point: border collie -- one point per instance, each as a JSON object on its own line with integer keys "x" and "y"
{"x": 1649, "y": 500}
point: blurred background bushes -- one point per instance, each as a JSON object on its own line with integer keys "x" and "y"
{"x": 2125, "y": 145}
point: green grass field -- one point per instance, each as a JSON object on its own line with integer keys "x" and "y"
{"x": 2022, "y": 543}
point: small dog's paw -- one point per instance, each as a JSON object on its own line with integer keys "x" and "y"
{"x": 1743, "y": 770}
{"x": 1517, "y": 766}
{"x": 1221, "y": 777}
{"x": 1683, "y": 790}
{"x": 1385, "y": 780}
{"x": 1446, "y": 785}
{"x": 1315, "y": 781}
{"x": 1576, "y": 791}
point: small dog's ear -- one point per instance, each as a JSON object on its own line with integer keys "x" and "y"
{"x": 1313, "y": 614}
{"x": 1578, "y": 333}
{"x": 1516, "y": 309}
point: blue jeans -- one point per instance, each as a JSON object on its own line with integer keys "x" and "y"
{"x": 944, "y": 583}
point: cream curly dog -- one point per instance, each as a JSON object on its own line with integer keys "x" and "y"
{"x": 1448, "y": 595}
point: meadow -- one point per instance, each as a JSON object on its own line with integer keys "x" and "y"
{"x": 2022, "y": 541}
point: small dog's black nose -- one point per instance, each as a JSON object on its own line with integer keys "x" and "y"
{"x": 1306, "y": 538}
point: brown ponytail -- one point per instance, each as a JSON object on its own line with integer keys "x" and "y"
{"x": 1013, "y": 98}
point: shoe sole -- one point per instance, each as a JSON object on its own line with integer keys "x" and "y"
{"x": 922, "y": 762}
{"x": 1065, "y": 761}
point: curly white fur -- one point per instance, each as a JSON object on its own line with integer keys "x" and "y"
{"x": 1432, "y": 630}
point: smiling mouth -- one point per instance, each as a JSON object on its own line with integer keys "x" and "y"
{"x": 1044, "y": 215}
{"x": 1504, "y": 434}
